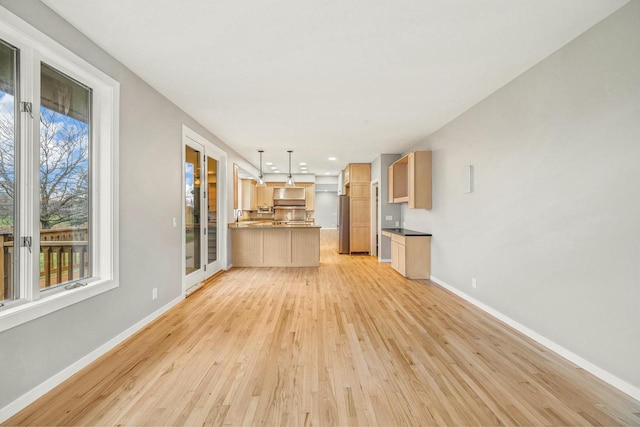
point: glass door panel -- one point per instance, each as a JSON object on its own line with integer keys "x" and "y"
{"x": 212, "y": 210}
{"x": 192, "y": 214}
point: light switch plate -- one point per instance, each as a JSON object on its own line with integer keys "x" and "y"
{"x": 389, "y": 217}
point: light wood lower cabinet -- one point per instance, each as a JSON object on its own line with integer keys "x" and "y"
{"x": 275, "y": 247}
{"x": 411, "y": 255}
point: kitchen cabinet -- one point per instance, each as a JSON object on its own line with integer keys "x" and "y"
{"x": 265, "y": 195}
{"x": 357, "y": 177}
{"x": 275, "y": 246}
{"x": 410, "y": 253}
{"x": 249, "y": 195}
{"x": 310, "y": 196}
{"x": 409, "y": 180}
{"x": 356, "y": 173}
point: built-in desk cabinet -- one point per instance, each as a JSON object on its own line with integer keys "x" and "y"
{"x": 410, "y": 255}
{"x": 410, "y": 180}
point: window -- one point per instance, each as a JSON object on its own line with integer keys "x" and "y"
{"x": 8, "y": 91}
{"x": 58, "y": 169}
{"x": 65, "y": 121}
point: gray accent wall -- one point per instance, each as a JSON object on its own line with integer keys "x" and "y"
{"x": 150, "y": 248}
{"x": 552, "y": 230}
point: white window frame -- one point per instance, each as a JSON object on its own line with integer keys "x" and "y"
{"x": 36, "y": 47}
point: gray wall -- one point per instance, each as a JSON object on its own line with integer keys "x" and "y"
{"x": 326, "y": 201}
{"x": 552, "y": 230}
{"x": 150, "y": 248}
{"x": 379, "y": 171}
{"x": 326, "y": 213}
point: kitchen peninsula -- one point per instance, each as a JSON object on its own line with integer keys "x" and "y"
{"x": 275, "y": 244}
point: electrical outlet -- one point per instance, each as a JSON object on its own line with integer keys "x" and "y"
{"x": 397, "y": 224}
{"x": 389, "y": 217}
{"x": 174, "y": 222}
{"x": 474, "y": 283}
{"x": 154, "y": 293}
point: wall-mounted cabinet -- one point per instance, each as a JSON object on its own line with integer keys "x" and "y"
{"x": 249, "y": 195}
{"x": 265, "y": 195}
{"x": 310, "y": 196}
{"x": 410, "y": 180}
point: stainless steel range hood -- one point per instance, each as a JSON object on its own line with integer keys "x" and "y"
{"x": 289, "y": 203}
{"x": 288, "y": 196}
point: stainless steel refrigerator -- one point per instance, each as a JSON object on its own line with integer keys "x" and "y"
{"x": 343, "y": 224}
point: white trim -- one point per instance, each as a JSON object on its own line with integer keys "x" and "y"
{"x": 604, "y": 375}
{"x": 57, "y": 379}
{"x": 19, "y": 314}
{"x": 384, "y": 260}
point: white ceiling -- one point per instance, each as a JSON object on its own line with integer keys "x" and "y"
{"x": 344, "y": 78}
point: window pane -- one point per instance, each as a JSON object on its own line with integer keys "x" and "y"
{"x": 192, "y": 210}
{"x": 212, "y": 209}
{"x": 8, "y": 86}
{"x": 65, "y": 123}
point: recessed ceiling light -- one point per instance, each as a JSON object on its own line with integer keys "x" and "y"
{"x": 327, "y": 173}
{"x": 273, "y": 168}
{"x": 268, "y": 163}
{"x": 304, "y": 168}
{"x": 276, "y": 171}
{"x": 332, "y": 158}
{"x": 305, "y": 171}
{"x": 302, "y": 164}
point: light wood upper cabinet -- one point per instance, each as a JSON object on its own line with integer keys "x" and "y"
{"x": 235, "y": 187}
{"x": 410, "y": 180}
{"x": 310, "y": 196}
{"x": 265, "y": 195}
{"x": 249, "y": 195}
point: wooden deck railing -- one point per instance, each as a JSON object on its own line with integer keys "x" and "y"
{"x": 64, "y": 256}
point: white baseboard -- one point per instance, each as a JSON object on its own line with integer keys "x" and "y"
{"x": 384, "y": 260}
{"x": 605, "y": 376}
{"x": 48, "y": 385}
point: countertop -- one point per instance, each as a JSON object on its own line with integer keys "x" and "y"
{"x": 271, "y": 224}
{"x": 405, "y": 232}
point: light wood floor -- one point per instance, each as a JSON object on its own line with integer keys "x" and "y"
{"x": 348, "y": 343}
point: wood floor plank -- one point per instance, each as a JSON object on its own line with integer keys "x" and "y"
{"x": 349, "y": 343}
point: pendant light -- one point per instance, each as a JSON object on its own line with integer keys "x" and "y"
{"x": 290, "y": 180}
{"x": 261, "y": 177}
